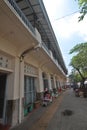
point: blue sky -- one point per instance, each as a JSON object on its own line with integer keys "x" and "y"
{"x": 67, "y": 30}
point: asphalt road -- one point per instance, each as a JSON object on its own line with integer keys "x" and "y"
{"x": 71, "y": 114}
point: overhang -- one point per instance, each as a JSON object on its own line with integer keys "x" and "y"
{"x": 36, "y": 13}
{"x": 44, "y": 61}
{"x": 14, "y": 31}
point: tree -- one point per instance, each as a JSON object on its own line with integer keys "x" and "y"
{"x": 74, "y": 76}
{"x": 83, "y": 7}
{"x": 79, "y": 60}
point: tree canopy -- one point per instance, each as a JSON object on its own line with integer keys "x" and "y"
{"x": 79, "y": 60}
{"x": 83, "y": 7}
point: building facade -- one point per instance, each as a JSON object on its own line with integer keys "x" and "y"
{"x": 30, "y": 58}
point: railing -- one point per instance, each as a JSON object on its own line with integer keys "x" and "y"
{"x": 22, "y": 16}
{"x": 47, "y": 50}
{"x": 54, "y": 60}
{"x": 28, "y": 24}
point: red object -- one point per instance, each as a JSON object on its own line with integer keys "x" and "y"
{"x": 59, "y": 89}
{"x": 4, "y": 127}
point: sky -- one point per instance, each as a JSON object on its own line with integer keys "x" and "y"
{"x": 68, "y": 30}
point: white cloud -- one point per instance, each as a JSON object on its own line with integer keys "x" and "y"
{"x": 67, "y": 29}
{"x": 53, "y": 7}
{"x": 68, "y": 26}
{"x": 82, "y": 27}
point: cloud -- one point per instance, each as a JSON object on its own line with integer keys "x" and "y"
{"x": 53, "y": 7}
{"x": 67, "y": 30}
{"x": 70, "y": 26}
{"x": 82, "y": 27}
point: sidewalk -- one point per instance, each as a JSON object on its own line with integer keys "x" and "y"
{"x": 71, "y": 114}
{"x": 39, "y": 118}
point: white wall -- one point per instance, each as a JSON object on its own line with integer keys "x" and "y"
{"x": 40, "y": 87}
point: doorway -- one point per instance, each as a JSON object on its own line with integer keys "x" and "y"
{"x": 29, "y": 93}
{"x": 3, "y": 78}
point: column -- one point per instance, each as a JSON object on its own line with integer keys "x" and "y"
{"x": 49, "y": 81}
{"x": 54, "y": 79}
{"x": 21, "y": 90}
{"x": 40, "y": 87}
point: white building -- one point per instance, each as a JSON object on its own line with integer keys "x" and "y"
{"x": 30, "y": 58}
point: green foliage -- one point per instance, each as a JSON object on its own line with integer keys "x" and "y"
{"x": 83, "y": 7}
{"x": 79, "y": 60}
{"x": 75, "y": 77}
{"x": 81, "y": 2}
{"x": 79, "y": 48}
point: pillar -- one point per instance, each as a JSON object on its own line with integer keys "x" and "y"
{"x": 49, "y": 82}
{"x": 40, "y": 87}
{"x": 54, "y": 79}
{"x": 21, "y": 90}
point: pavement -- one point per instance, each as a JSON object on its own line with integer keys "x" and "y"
{"x": 67, "y": 112}
{"x": 77, "y": 120}
{"x": 40, "y": 118}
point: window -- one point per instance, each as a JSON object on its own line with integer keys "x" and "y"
{"x": 29, "y": 90}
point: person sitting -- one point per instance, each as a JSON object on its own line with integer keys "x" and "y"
{"x": 47, "y": 98}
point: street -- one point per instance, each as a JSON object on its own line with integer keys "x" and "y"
{"x": 67, "y": 112}
{"x": 76, "y": 120}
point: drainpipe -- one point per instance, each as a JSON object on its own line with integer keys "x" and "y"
{"x": 20, "y": 89}
{"x": 21, "y": 58}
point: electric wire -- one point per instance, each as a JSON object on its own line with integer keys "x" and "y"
{"x": 67, "y": 15}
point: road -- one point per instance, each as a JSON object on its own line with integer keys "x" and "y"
{"x": 64, "y": 120}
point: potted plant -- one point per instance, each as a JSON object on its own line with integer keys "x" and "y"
{"x": 37, "y": 104}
